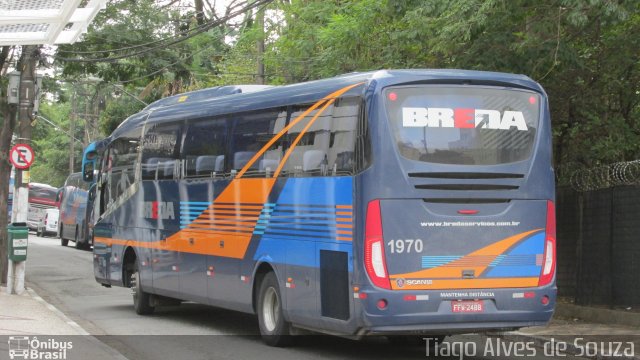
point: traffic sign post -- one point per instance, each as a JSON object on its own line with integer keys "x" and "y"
{"x": 22, "y": 157}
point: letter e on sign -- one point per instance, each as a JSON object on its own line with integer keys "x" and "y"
{"x": 21, "y": 156}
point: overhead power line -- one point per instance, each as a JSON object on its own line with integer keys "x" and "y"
{"x": 199, "y": 30}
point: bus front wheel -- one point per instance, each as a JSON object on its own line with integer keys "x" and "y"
{"x": 274, "y": 329}
{"x": 140, "y": 298}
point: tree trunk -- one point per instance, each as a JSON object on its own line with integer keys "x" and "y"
{"x": 200, "y": 18}
{"x": 7, "y": 114}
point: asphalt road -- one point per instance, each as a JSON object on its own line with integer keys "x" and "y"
{"x": 63, "y": 276}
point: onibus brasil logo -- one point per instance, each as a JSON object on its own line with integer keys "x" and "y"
{"x": 25, "y": 347}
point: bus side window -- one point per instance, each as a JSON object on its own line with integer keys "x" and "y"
{"x": 250, "y": 134}
{"x": 327, "y": 147}
{"x": 204, "y": 147}
{"x": 310, "y": 152}
{"x": 160, "y": 152}
{"x": 121, "y": 164}
{"x": 342, "y": 144}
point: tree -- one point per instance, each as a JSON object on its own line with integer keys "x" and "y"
{"x": 7, "y": 112}
{"x": 583, "y": 53}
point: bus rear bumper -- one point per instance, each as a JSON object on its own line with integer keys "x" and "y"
{"x": 431, "y": 312}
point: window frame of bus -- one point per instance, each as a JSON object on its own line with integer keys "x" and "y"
{"x": 106, "y": 173}
{"x": 219, "y": 122}
{"x": 174, "y": 157}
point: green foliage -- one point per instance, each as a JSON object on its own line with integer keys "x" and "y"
{"x": 584, "y": 53}
{"x": 51, "y": 145}
{"x": 116, "y": 112}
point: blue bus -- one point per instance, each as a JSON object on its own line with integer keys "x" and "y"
{"x": 390, "y": 202}
{"x": 72, "y": 223}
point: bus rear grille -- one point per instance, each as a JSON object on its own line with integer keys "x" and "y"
{"x": 465, "y": 175}
{"x": 466, "y": 187}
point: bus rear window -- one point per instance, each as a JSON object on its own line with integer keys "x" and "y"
{"x": 463, "y": 124}
{"x": 43, "y": 193}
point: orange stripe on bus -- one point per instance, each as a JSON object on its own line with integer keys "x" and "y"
{"x": 344, "y": 207}
{"x": 211, "y": 217}
{"x": 454, "y": 268}
{"x": 345, "y": 226}
{"x": 344, "y": 213}
{"x": 267, "y": 146}
{"x": 344, "y": 232}
{"x": 221, "y": 222}
{"x": 299, "y": 137}
{"x": 239, "y": 191}
{"x": 484, "y": 283}
{"x": 343, "y": 238}
{"x": 239, "y": 206}
{"x": 223, "y": 228}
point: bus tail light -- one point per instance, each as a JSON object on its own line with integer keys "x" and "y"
{"x": 374, "y": 258}
{"x": 549, "y": 259}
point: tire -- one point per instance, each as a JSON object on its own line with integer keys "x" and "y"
{"x": 274, "y": 329}
{"x": 78, "y": 243}
{"x": 38, "y": 232}
{"x": 63, "y": 241}
{"x": 140, "y": 298}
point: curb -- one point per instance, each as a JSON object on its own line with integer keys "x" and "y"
{"x": 60, "y": 314}
{"x": 541, "y": 341}
{"x": 113, "y": 353}
{"x": 597, "y": 315}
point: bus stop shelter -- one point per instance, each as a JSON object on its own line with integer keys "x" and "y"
{"x": 40, "y": 22}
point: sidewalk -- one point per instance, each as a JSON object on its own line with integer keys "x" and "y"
{"x": 582, "y": 335}
{"x": 29, "y": 316}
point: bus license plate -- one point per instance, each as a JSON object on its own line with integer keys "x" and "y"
{"x": 468, "y": 306}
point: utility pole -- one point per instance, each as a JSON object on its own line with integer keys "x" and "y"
{"x": 27, "y": 67}
{"x": 260, "y": 45}
{"x": 72, "y": 129}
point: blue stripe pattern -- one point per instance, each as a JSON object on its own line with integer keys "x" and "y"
{"x": 190, "y": 210}
{"x": 435, "y": 261}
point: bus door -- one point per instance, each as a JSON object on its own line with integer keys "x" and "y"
{"x": 118, "y": 185}
{"x": 160, "y": 168}
{"x": 203, "y": 159}
{"x": 314, "y": 214}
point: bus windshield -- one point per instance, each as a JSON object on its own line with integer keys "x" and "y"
{"x": 463, "y": 125}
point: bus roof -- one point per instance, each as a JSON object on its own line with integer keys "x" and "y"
{"x": 204, "y": 94}
{"x": 206, "y": 106}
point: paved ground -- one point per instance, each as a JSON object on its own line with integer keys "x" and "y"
{"x": 63, "y": 276}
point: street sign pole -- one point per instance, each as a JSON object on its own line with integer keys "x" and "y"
{"x": 27, "y": 65}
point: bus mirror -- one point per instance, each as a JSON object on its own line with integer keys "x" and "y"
{"x": 87, "y": 172}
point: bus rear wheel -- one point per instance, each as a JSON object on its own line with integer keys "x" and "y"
{"x": 79, "y": 245}
{"x": 141, "y": 299}
{"x": 63, "y": 241}
{"x": 274, "y": 329}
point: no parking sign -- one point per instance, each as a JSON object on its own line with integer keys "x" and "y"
{"x": 21, "y": 156}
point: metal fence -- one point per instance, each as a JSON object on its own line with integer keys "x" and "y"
{"x": 604, "y": 176}
{"x": 599, "y": 240}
